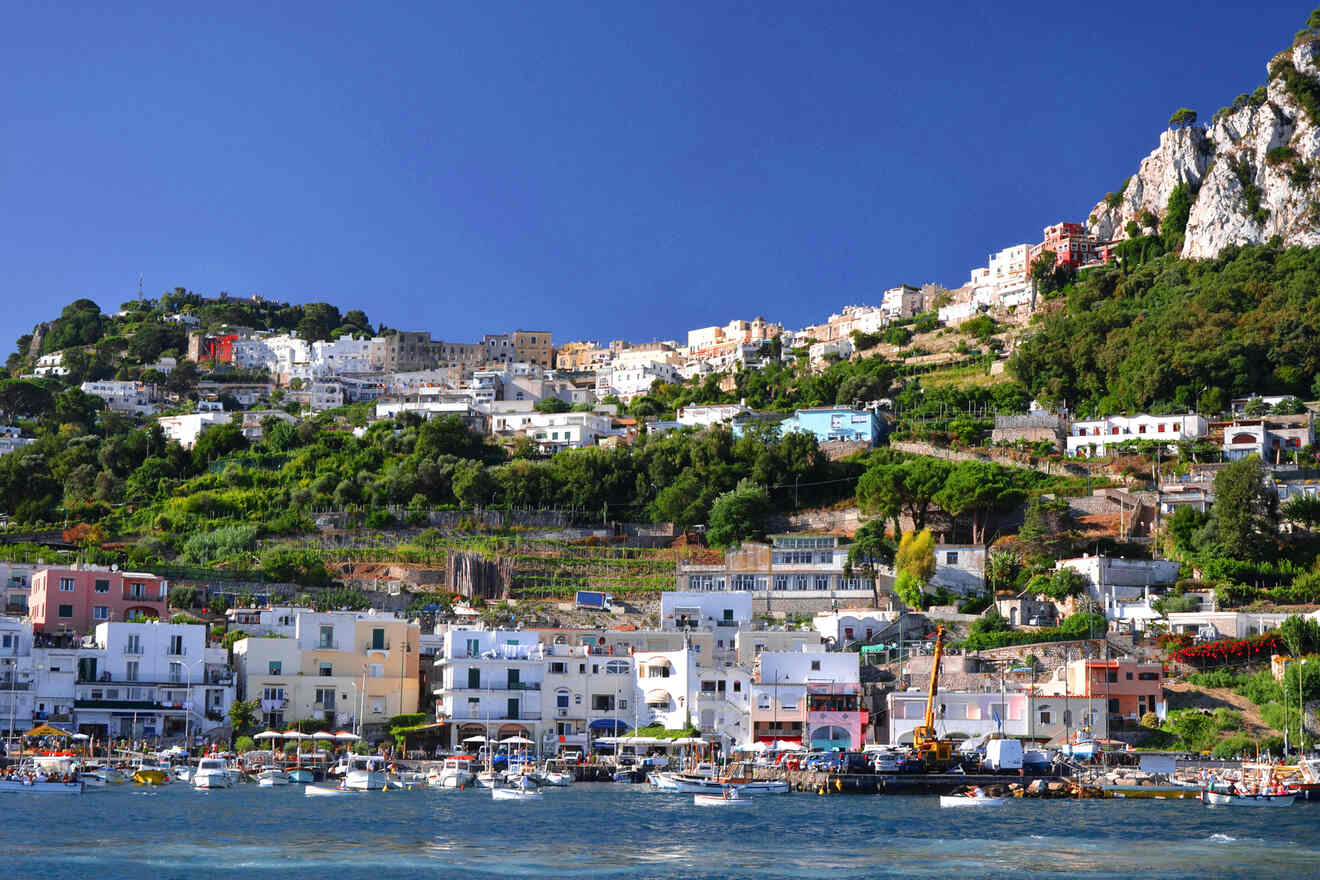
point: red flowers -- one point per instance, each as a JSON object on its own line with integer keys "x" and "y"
{"x": 1227, "y": 651}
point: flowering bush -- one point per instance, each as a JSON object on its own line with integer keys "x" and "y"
{"x": 1169, "y": 642}
{"x": 1230, "y": 652}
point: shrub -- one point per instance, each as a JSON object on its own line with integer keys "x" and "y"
{"x": 1150, "y": 720}
{"x": 1232, "y": 746}
{"x": 245, "y": 744}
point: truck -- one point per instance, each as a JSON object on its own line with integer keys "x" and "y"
{"x": 595, "y": 601}
{"x": 1003, "y": 754}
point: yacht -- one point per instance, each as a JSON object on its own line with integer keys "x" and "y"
{"x": 365, "y": 773}
{"x": 557, "y": 773}
{"x": 272, "y": 776}
{"x": 211, "y": 773}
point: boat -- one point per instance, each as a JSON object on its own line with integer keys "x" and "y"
{"x": 523, "y": 789}
{"x": 183, "y": 772}
{"x": 97, "y": 776}
{"x": 271, "y": 777}
{"x": 212, "y": 773}
{"x": 629, "y": 772}
{"x": 405, "y": 780}
{"x": 968, "y": 800}
{"x": 490, "y": 779}
{"x": 322, "y": 791}
{"x": 730, "y": 797}
{"x": 1219, "y": 799}
{"x": 151, "y": 771}
{"x": 663, "y": 781}
{"x": 45, "y": 777}
{"x": 454, "y": 772}
{"x": 365, "y": 773}
{"x": 302, "y": 775}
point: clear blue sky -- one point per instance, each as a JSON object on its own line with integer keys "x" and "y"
{"x": 599, "y": 170}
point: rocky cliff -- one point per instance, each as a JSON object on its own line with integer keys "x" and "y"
{"x": 1252, "y": 173}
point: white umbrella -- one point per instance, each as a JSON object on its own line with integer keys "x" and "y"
{"x": 516, "y": 741}
{"x": 80, "y": 736}
{"x": 689, "y": 741}
{"x": 791, "y": 747}
{"x": 322, "y": 734}
{"x": 757, "y": 747}
{"x": 295, "y": 734}
{"x": 345, "y": 736}
{"x": 268, "y": 734}
{"x": 475, "y": 739}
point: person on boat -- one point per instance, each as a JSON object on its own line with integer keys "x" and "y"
{"x": 976, "y": 792}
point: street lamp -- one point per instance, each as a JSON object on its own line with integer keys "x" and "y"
{"x": 187, "y": 706}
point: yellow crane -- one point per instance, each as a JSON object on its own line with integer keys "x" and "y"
{"x": 935, "y": 753}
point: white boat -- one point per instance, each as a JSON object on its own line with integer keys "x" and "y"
{"x": 33, "y": 786}
{"x": 730, "y": 797}
{"x": 53, "y": 778}
{"x": 1217, "y": 799}
{"x": 663, "y": 780}
{"x": 183, "y": 772}
{"x": 964, "y": 800}
{"x": 211, "y": 773}
{"x": 490, "y": 779}
{"x": 515, "y": 794}
{"x": 322, "y": 791}
{"x": 102, "y": 776}
{"x": 365, "y": 773}
{"x": 271, "y": 777}
{"x": 405, "y": 781}
{"x": 455, "y": 772}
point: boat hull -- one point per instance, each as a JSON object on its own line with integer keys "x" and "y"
{"x": 963, "y": 801}
{"x": 514, "y": 794}
{"x": 211, "y": 780}
{"x": 16, "y": 787}
{"x": 718, "y": 800}
{"x": 1215, "y": 799}
{"x": 151, "y": 777}
{"x": 365, "y": 780}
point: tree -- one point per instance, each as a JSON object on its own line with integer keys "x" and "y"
{"x": 1302, "y": 509}
{"x": 916, "y": 555}
{"x": 1001, "y": 570}
{"x": 1049, "y": 275}
{"x": 473, "y": 484}
{"x": 1245, "y": 512}
{"x": 907, "y": 487}
{"x": 1178, "y": 211}
{"x": 738, "y": 515}
{"x": 977, "y": 489}
{"x": 1182, "y": 118}
{"x": 183, "y": 597}
{"x": 244, "y": 715}
{"x": 1302, "y": 636}
{"x": 908, "y": 588}
{"x": 870, "y": 549}
{"x": 551, "y": 405}
{"x": 20, "y": 398}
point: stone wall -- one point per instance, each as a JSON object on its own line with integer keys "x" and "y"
{"x": 1053, "y": 654}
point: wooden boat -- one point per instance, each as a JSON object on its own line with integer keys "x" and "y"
{"x": 1218, "y": 799}
{"x": 728, "y": 798}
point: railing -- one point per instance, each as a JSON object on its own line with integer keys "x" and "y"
{"x": 140, "y": 597}
{"x": 9, "y": 684}
{"x": 372, "y": 646}
{"x": 327, "y": 645}
{"x": 176, "y": 651}
{"x": 132, "y": 650}
{"x": 509, "y": 686}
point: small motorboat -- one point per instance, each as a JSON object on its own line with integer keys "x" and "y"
{"x": 405, "y": 781}
{"x": 211, "y": 773}
{"x": 323, "y": 791}
{"x": 302, "y": 775}
{"x": 520, "y": 789}
{"x": 970, "y": 800}
{"x": 150, "y": 771}
{"x": 662, "y": 780}
{"x": 728, "y": 798}
{"x": 271, "y": 777}
{"x": 557, "y": 773}
{"x": 102, "y": 776}
{"x": 455, "y": 772}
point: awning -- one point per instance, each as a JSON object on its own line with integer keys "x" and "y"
{"x": 657, "y": 698}
{"x": 46, "y": 730}
{"x": 609, "y": 724}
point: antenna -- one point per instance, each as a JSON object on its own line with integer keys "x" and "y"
{"x": 139, "y": 287}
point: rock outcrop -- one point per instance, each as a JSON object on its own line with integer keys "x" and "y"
{"x": 1254, "y": 170}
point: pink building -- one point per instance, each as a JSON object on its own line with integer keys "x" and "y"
{"x": 77, "y": 599}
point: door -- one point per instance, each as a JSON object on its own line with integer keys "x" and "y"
{"x": 513, "y": 708}
{"x": 513, "y": 679}
{"x": 378, "y": 640}
{"x": 474, "y": 679}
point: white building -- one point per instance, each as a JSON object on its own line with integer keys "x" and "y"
{"x": 491, "y": 680}
{"x": 16, "y": 579}
{"x": 706, "y": 416}
{"x": 125, "y": 397}
{"x": 11, "y": 438}
{"x": 841, "y": 348}
{"x": 843, "y": 628}
{"x": 904, "y": 301}
{"x": 1095, "y": 436}
{"x": 554, "y": 431}
{"x": 16, "y": 675}
{"x": 51, "y": 365}
{"x": 343, "y": 355}
{"x": 630, "y": 382}
{"x": 185, "y": 429}
{"x": 705, "y": 610}
{"x": 152, "y": 680}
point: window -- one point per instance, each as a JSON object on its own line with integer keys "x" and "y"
{"x": 623, "y": 703}
{"x": 473, "y": 648}
{"x": 176, "y": 673}
{"x": 815, "y": 666}
{"x": 559, "y": 668}
{"x": 102, "y": 586}
{"x": 1044, "y": 716}
{"x": 99, "y": 612}
{"x": 1113, "y": 707}
{"x": 275, "y": 667}
{"x": 951, "y": 558}
{"x": 377, "y": 706}
{"x": 377, "y": 670}
{"x": 378, "y": 639}
{"x": 1148, "y": 676}
{"x": 131, "y": 670}
{"x": 1112, "y": 676}
{"x": 325, "y": 670}
{"x": 617, "y": 667}
{"x": 66, "y": 585}
{"x": 561, "y": 699}
{"x": 66, "y": 611}
{"x": 175, "y": 647}
{"x": 1129, "y": 676}
{"x": 327, "y": 637}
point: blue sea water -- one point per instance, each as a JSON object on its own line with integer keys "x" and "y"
{"x": 624, "y": 831}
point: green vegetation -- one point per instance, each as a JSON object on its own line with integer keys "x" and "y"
{"x": 1226, "y": 327}
{"x": 1082, "y": 625}
{"x": 1182, "y": 118}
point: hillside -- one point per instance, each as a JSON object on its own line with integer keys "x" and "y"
{"x": 1248, "y": 177}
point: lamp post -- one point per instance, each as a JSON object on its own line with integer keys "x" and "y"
{"x": 187, "y": 705}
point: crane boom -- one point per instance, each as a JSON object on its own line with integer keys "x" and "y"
{"x": 934, "y": 688}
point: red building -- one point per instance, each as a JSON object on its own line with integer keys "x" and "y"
{"x": 77, "y": 599}
{"x": 212, "y": 348}
{"x": 1072, "y": 245}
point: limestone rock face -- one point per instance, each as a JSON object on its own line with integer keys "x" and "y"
{"x": 1251, "y": 170}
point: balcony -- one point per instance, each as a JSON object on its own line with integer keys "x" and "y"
{"x": 13, "y": 684}
{"x": 371, "y": 646}
{"x": 326, "y": 645}
{"x": 132, "y": 651}
{"x": 139, "y": 597}
{"x": 489, "y": 688}
{"x": 176, "y": 651}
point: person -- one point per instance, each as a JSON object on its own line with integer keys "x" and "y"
{"x": 977, "y": 792}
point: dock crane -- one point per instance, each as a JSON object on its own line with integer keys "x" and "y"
{"x": 935, "y": 753}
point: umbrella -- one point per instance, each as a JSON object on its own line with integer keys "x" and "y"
{"x": 82, "y": 736}
{"x": 345, "y": 736}
{"x": 752, "y": 747}
{"x": 475, "y": 739}
{"x": 789, "y": 746}
{"x": 689, "y": 741}
{"x": 295, "y": 734}
{"x": 268, "y": 734}
{"x": 321, "y": 734}
{"x": 516, "y": 741}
